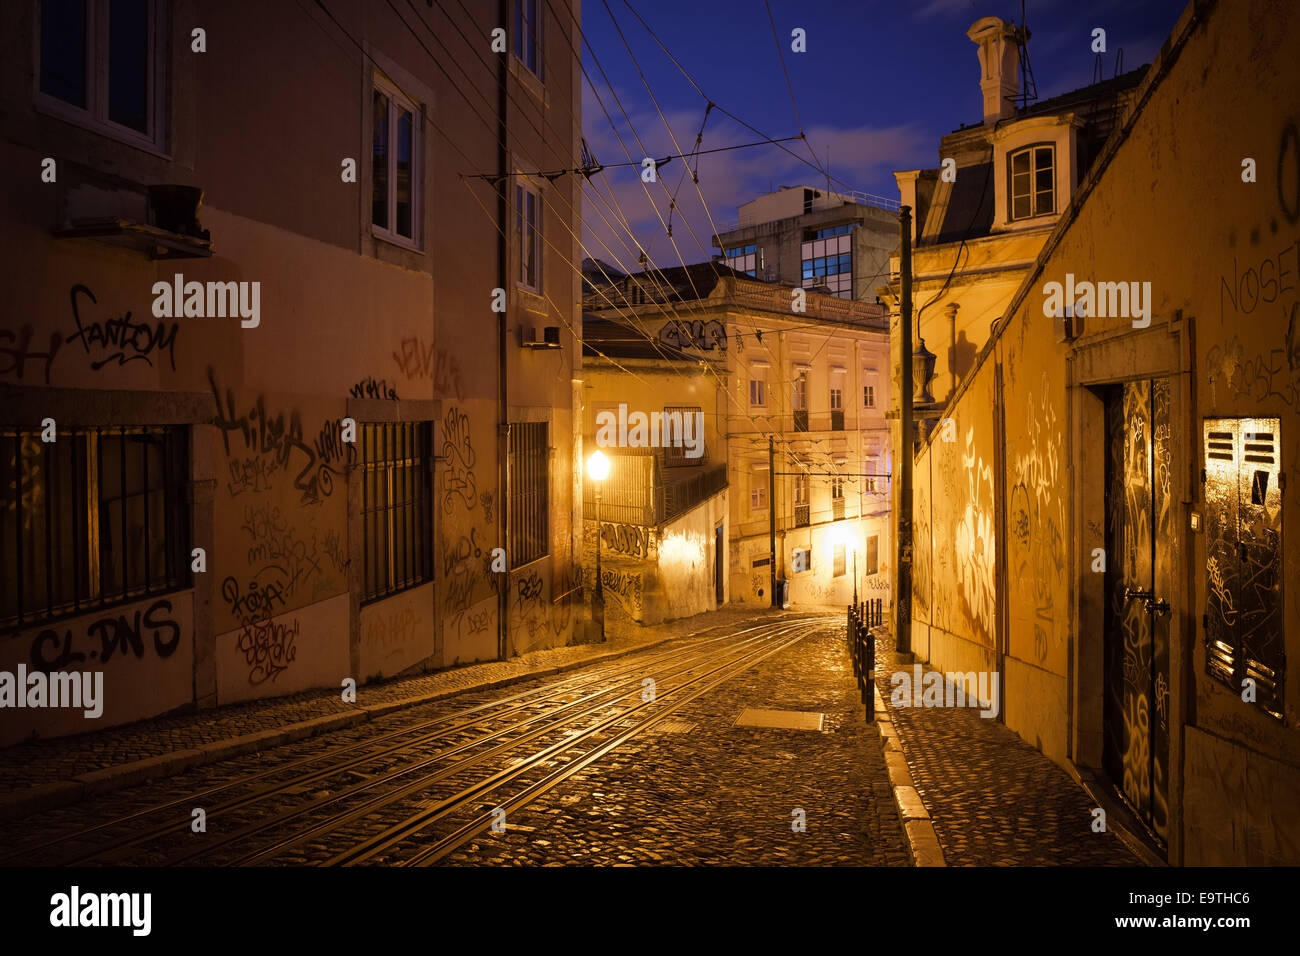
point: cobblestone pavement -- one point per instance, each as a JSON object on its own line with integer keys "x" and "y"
{"x": 708, "y": 792}
{"x": 33, "y": 764}
{"x": 993, "y": 799}
{"x": 696, "y": 790}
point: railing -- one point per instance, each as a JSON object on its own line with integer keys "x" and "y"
{"x": 837, "y": 509}
{"x": 801, "y": 419}
{"x": 801, "y": 516}
{"x": 862, "y": 649}
{"x": 681, "y": 496}
{"x": 837, "y": 419}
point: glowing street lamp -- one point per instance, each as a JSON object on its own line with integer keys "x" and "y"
{"x": 598, "y": 471}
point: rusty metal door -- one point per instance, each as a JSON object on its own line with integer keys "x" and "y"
{"x": 1139, "y": 531}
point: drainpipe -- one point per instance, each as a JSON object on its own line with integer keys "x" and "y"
{"x": 903, "y": 499}
{"x": 503, "y": 278}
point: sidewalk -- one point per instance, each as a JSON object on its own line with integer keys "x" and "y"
{"x": 992, "y": 799}
{"x": 44, "y": 774}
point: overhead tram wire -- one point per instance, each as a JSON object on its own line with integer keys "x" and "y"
{"x": 722, "y": 109}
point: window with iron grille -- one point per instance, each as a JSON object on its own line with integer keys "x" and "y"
{"x": 676, "y": 418}
{"x": 871, "y": 564}
{"x": 801, "y": 508}
{"x": 800, "y": 398}
{"x": 97, "y": 518}
{"x": 838, "y": 570}
{"x": 529, "y": 477}
{"x": 396, "y": 518}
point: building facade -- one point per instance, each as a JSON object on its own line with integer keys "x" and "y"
{"x": 1107, "y": 527}
{"x": 815, "y": 239}
{"x": 318, "y": 428}
{"x": 806, "y": 371}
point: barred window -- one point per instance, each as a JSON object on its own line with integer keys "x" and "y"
{"x": 96, "y": 518}
{"x": 529, "y": 477}
{"x": 872, "y": 563}
{"x": 838, "y": 570}
{"x": 677, "y": 418}
{"x": 395, "y": 512}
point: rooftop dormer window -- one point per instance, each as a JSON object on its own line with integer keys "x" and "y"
{"x": 1033, "y": 179}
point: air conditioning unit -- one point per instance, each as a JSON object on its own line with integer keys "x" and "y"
{"x": 550, "y": 337}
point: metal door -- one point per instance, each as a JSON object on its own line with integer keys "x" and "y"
{"x": 1139, "y": 529}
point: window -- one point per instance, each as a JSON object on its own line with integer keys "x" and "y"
{"x": 868, "y": 396}
{"x": 838, "y": 570}
{"x": 837, "y": 409}
{"x": 528, "y": 229}
{"x": 1245, "y": 579}
{"x": 1033, "y": 191}
{"x": 101, "y": 65}
{"x": 871, "y": 564}
{"x": 800, "y": 560}
{"x": 800, "y": 397}
{"x": 676, "y": 419}
{"x": 758, "y": 493}
{"x": 747, "y": 259}
{"x": 98, "y": 517}
{"x": 837, "y": 488}
{"x": 869, "y": 482}
{"x": 801, "y": 509}
{"x": 395, "y": 182}
{"x": 528, "y": 35}
{"x": 395, "y": 513}
{"x": 529, "y": 476}
{"x": 757, "y": 391}
{"x": 827, "y": 256}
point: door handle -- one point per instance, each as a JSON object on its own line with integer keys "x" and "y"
{"x": 1148, "y": 599}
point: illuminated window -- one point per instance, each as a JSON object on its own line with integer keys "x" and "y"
{"x": 757, "y": 391}
{"x": 1033, "y": 177}
{"x": 838, "y": 570}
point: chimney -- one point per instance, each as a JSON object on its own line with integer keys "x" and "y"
{"x": 999, "y": 53}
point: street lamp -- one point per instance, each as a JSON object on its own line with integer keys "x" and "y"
{"x": 598, "y": 471}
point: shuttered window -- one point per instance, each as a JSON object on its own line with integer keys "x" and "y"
{"x": 1244, "y": 638}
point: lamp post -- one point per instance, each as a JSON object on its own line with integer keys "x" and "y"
{"x": 597, "y": 471}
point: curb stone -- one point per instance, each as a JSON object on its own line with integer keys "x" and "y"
{"x": 922, "y": 841}
{"x": 17, "y": 804}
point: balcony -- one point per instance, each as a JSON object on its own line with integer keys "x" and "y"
{"x": 837, "y": 419}
{"x": 837, "y": 509}
{"x": 801, "y": 419}
{"x": 801, "y": 516}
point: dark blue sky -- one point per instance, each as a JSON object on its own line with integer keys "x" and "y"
{"x": 879, "y": 84}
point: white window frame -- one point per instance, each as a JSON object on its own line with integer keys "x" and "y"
{"x": 869, "y": 395}
{"x": 758, "y": 493}
{"x": 95, "y": 115}
{"x": 1034, "y": 212}
{"x": 761, "y": 392}
{"x": 397, "y": 99}
{"x": 523, "y": 189}
{"x": 516, "y": 44}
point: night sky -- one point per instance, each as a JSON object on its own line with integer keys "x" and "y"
{"x": 877, "y": 87}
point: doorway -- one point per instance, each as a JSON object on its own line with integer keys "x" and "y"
{"x": 1138, "y": 585}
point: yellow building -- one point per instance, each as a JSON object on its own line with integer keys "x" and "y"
{"x": 806, "y": 370}
{"x": 1107, "y": 528}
